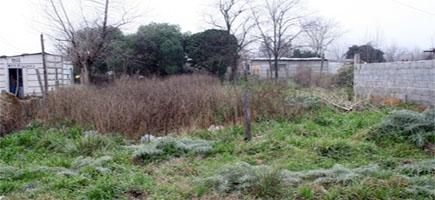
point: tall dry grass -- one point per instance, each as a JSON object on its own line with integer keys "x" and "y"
{"x": 161, "y": 106}
{"x": 135, "y": 107}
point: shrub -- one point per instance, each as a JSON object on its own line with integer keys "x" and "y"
{"x": 421, "y": 186}
{"x": 302, "y": 101}
{"x": 169, "y": 147}
{"x": 327, "y": 81}
{"x": 88, "y": 144}
{"x": 339, "y": 174}
{"x": 267, "y": 100}
{"x": 299, "y": 104}
{"x": 173, "y": 104}
{"x": 81, "y": 165}
{"x": 345, "y": 77}
{"x": 405, "y": 125}
{"x": 303, "y": 76}
{"x": 262, "y": 181}
{"x": 268, "y": 182}
{"x": 51, "y": 141}
{"x": 274, "y": 101}
{"x": 425, "y": 167}
{"x": 87, "y": 164}
{"x": 136, "y": 107}
{"x": 336, "y": 151}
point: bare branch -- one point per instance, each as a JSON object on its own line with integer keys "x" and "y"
{"x": 320, "y": 33}
{"x": 84, "y": 41}
{"x": 278, "y": 24}
{"x": 235, "y": 19}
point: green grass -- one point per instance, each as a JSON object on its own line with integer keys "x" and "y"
{"x": 326, "y": 154}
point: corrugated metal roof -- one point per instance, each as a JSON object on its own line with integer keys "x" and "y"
{"x": 289, "y": 59}
{"x": 28, "y": 54}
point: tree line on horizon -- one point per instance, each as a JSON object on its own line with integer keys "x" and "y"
{"x": 161, "y": 49}
{"x": 280, "y": 28}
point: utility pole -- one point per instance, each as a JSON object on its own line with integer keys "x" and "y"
{"x": 44, "y": 65}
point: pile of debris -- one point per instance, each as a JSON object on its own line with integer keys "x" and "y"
{"x": 15, "y": 113}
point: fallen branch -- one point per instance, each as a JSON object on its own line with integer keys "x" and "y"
{"x": 347, "y": 108}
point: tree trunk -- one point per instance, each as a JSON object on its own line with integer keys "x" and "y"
{"x": 233, "y": 75}
{"x": 124, "y": 67}
{"x": 85, "y": 74}
{"x": 322, "y": 59}
{"x": 276, "y": 67}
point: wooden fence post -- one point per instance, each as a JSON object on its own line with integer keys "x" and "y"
{"x": 248, "y": 135}
{"x": 40, "y": 81}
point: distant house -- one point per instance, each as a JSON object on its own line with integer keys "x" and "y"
{"x": 260, "y": 67}
{"x": 24, "y": 74}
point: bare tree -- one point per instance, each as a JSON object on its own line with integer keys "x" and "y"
{"x": 395, "y": 53}
{"x": 374, "y": 38}
{"x": 236, "y": 19}
{"x": 337, "y": 50}
{"x": 83, "y": 32}
{"x": 279, "y": 24}
{"x": 419, "y": 54}
{"x": 320, "y": 33}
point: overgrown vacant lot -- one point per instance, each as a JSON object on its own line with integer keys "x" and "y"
{"x": 303, "y": 148}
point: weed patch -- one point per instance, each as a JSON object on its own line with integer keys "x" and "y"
{"x": 263, "y": 181}
{"x": 169, "y": 147}
{"x": 87, "y": 145}
{"x": 406, "y": 126}
{"x": 301, "y": 148}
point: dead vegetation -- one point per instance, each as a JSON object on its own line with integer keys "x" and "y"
{"x": 136, "y": 107}
{"x": 15, "y": 113}
{"x": 10, "y": 113}
{"x": 170, "y": 105}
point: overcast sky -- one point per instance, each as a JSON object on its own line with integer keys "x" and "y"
{"x": 406, "y": 23}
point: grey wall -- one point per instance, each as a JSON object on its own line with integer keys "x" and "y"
{"x": 290, "y": 70}
{"x": 408, "y": 81}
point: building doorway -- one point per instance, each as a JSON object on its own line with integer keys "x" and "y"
{"x": 16, "y": 82}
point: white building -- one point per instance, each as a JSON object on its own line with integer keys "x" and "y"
{"x": 27, "y": 72}
{"x": 286, "y": 66}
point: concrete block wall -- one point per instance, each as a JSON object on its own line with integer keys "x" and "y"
{"x": 409, "y": 81}
{"x": 290, "y": 68}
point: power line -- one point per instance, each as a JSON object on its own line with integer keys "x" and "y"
{"x": 415, "y": 8}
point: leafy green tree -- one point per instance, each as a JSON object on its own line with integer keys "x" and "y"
{"x": 157, "y": 49}
{"x": 109, "y": 59}
{"x": 212, "y": 50}
{"x": 367, "y": 53}
{"x": 121, "y": 52}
